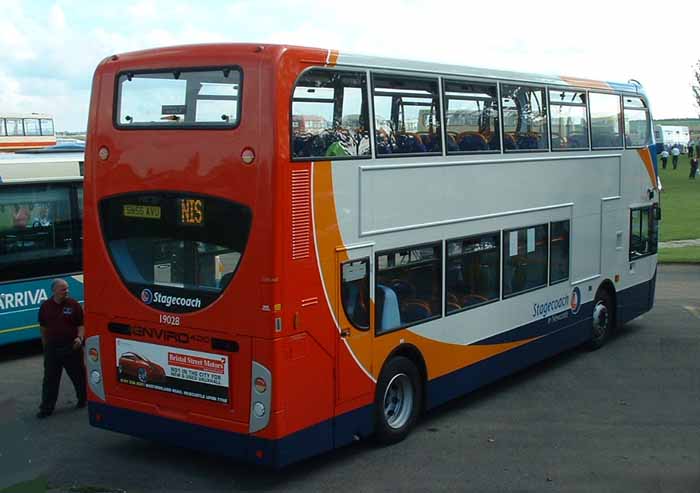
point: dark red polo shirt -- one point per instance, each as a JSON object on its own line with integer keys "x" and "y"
{"x": 61, "y": 320}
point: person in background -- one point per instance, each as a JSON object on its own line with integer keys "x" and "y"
{"x": 62, "y": 335}
{"x": 691, "y": 147}
{"x": 21, "y": 216}
{"x": 693, "y": 168}
{"x": 664, "y": 158}
{"x": 675, "y": 152}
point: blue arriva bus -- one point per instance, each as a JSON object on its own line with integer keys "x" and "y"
{"x": 41, "y": 236}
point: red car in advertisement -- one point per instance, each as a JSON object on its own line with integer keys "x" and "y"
{"x": 141, "y": 368}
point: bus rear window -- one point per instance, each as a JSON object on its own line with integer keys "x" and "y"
{"x": 179, "y": 99}
{"x": 176, "y": 252}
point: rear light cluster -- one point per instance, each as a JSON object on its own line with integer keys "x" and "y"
{"x": 260, "y": 398}
{"x": 260, "y": 385}
{"x": 94, "y": 366}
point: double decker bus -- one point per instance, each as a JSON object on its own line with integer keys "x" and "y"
{"x": 26, "y": 131}
{"x": 41, "y": 199}
{"x": 260, "y": 290}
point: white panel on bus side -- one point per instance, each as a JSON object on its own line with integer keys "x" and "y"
{"x": 414, "y": 194}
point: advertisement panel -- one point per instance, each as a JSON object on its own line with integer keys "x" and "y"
{"x": 174, "y": 370}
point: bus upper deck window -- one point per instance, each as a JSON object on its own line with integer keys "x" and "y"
{"x": 187, "y": 98}
{"x": 329, "y": 115}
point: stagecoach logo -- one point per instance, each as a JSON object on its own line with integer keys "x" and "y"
{"x": 147, "y": 296}
{"x": 575, "y": 304}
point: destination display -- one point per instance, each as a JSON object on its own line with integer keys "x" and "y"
{"x": 191, "y": 212}
{"x": 142, "y": 211}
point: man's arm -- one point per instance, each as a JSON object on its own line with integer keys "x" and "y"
{"x": 43, "y": 331}
{"x": 78, "y": 341}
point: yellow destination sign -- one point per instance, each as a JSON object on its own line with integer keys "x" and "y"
{"x": 142, "y": 211}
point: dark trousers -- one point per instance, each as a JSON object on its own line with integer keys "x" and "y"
{"x": 664, "y": 160}
{"x": 57, "y": 357}
{"x": 693, "y": 171}
{"x": 675, "y": 162}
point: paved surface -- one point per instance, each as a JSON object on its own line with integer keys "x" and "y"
{"x": 625, "y": 418}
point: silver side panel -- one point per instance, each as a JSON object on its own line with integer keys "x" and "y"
{"x": 258, "y": 423}
{"x": 97, "y": 388}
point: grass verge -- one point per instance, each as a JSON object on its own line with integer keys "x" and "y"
{"x": 685, "y": 255}
{"x": 38, "y": 485}
{"x": 680, "y": 202}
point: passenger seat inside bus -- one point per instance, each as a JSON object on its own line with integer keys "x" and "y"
{"x": 389, "y": 316}
{"x": 472, "y": 141}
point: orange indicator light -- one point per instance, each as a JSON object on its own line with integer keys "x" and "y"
{"x": 260, "y": 385}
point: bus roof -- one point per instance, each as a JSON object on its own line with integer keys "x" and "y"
{"x": 366, "y": 61}
{"x": 25, "y": 115}
{"x": 24, "y": 168}
{"x": 339, "y": 58}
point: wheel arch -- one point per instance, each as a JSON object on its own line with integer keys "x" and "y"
{"x": 413, "y": 354}
{"x": 608, "y": 287}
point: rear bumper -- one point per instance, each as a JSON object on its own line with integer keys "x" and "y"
{"x": 244, "y": 448}
{"x": 241, "y": 447}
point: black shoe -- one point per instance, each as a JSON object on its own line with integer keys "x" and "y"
{"x": 43, "y": 414}
{"x": 80, "y": 404}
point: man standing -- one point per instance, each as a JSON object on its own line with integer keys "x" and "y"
{"x": 675, "y": 152}
{"x": 62, "y": 335}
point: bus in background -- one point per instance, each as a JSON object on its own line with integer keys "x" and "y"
{"x": 672, "y": 135}
{"x": 40, "y": 236}
{"x": 261, "y": 287}
{"x": 26, "y": 131}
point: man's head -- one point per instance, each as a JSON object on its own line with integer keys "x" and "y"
{"x": 59, "y": 289}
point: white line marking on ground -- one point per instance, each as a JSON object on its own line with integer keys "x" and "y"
{"x": 694, "y": 310}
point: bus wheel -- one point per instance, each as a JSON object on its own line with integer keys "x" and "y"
{"x": 602, "y": 320}
{"x": 397, "y": 401}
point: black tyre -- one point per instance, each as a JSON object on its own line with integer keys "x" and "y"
{"x": 142, "y": 375}
{"x": 398, "y": 400}
{"x": 603, "y": 320}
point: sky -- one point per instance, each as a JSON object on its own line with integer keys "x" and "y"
{"x": 50, "y": 48}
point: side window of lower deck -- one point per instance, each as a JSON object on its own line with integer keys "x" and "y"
{"x": 559, "y": 252}
{"x": 643, "y": 232}
{"x": 329, "y": 115}
{"x": 472, "y": 272}
{"x": 524, "y": 259}
{"x": 408, "y": 287}
{"x": 354, "y": 291}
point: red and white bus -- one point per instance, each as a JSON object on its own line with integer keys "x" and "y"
{"x": 266, "y": 291}
{"x": 26, "y": 131}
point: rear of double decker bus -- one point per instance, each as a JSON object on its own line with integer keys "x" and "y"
{"x": 182, "y": 255}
